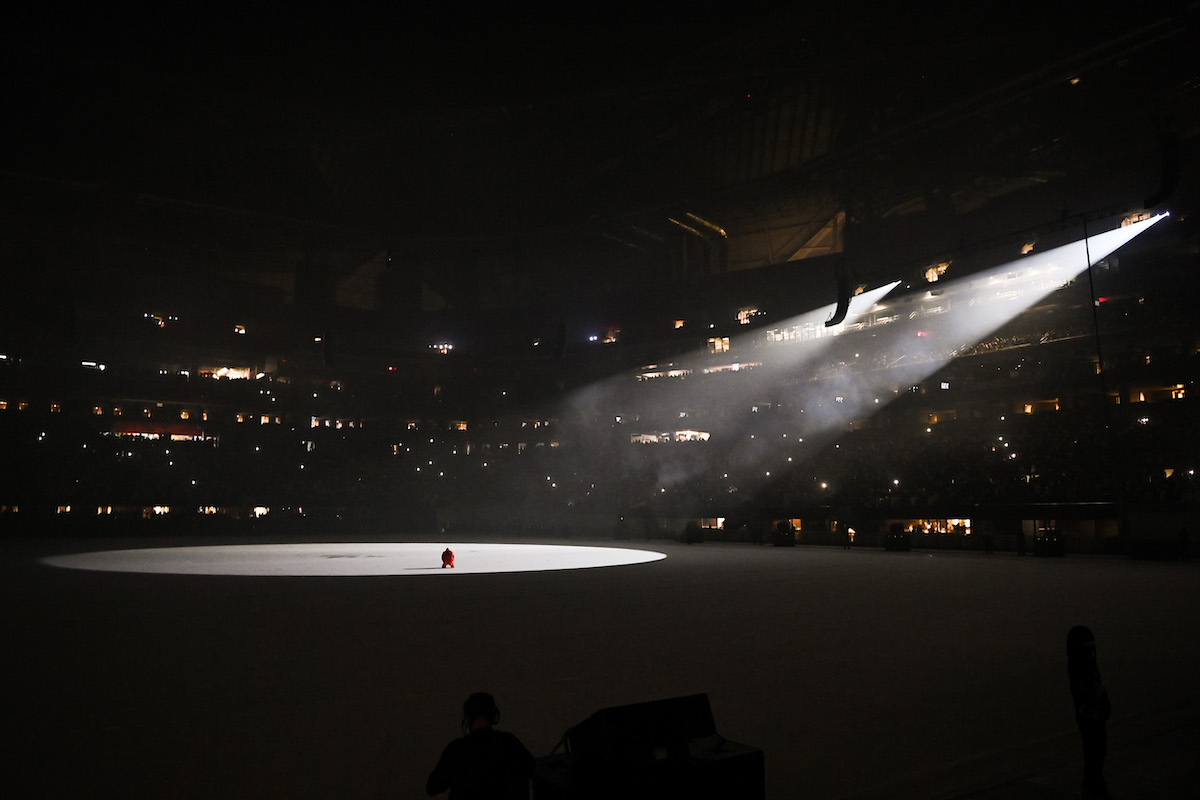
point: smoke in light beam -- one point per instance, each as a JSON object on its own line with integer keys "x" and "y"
{"x": 963, "y": 313}
{"x": 998, "y": 295}
{"x": 814, "y": 381}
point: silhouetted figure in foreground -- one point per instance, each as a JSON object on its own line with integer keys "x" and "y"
{"x": 1020, "y": 543}
{"x": 485, "y": 764}
{"x": 448, "y": 558}
{"x": 1091, "y": 708}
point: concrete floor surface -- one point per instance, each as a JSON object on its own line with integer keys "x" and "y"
{"x": 860, "y": 674}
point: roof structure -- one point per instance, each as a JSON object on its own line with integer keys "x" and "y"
{"x": 507, "y": 156}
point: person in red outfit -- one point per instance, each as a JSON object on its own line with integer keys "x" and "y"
{"x": 448, "y": 558}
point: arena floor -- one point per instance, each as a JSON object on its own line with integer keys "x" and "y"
{"x": 860, "y": 674}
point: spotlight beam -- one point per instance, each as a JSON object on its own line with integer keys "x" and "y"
{"x": 978, "y": 305}
{"x": 804, "y": 389}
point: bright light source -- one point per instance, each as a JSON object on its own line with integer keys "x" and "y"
{"x": 409, "y": 559}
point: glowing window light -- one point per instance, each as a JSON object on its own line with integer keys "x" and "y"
{"x": 261, "y": 511}
{"x": 718, "y": 344}
{"x": 936, "y": 271}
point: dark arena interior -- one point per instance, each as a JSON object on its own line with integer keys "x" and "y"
{"x": 786, "y": 381}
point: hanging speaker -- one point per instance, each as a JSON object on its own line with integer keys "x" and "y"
{"x": 843, "y": 298}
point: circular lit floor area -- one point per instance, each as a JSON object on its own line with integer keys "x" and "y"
{"x": 352, "y": 559}
{"x": 861, "y": 674}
